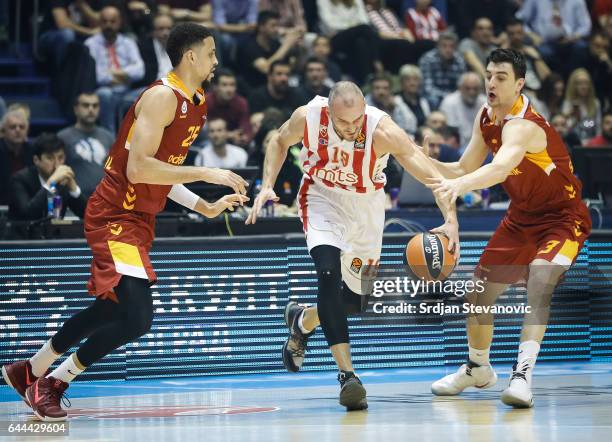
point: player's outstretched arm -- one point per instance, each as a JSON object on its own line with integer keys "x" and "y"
{"x": 154, "y": 112}
{"x": 517, "y": 137}
{"x": 290, "y": 133}
{"x": 390, "y": 138}
{"x": 473, "y": 156}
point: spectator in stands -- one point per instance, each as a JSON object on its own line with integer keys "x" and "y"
{"x": 321, "y": 49}
{"x": 604, "y": 139}
{"x": 218, "y": 152}
{"x": 153, "y": 52}
{"x": 15, "y": 150}
{"x": 346, "y": 22}
{"x": 118, "y": 65}
{"x": 187, "y": 10}
{"x": 291, "y": 14}
{"x": 260, "y": 52}
{"x": 441, "y": 69}
{"x": 436, "y": 120}
{"x": 235, "y": 20}
{"x": 597, "y": 62}
{"x": 63, "y": 22}
{"x": 29, "y": 186}
{"x": 537, "y": 69}
{"x": 561, "y": 125}
{"x": 581, "y": 106}
{"x": 224, "y": 102}
{"x": 562, "y": 28}
{"x": 86, "y": 144}
{"x": 397, "y": 44}
{"x": 381, "y": 97}
{"x": 461, "y": 106}
{"x": 139, "y": 15}
{"x": 315, "y": 74}
{"x": 551, "y": 95}
{"x": 477, "y": 48}
{"x": 466, "y": 12}
{"x": 276, "y": 92}
{"x": 424, "y": 21}
{"x": 410, "y": 81}
{"x": 438, "y": 150}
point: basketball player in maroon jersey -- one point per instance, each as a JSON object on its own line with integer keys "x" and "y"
{"x": 540, "y": 236}
{"x": 140, "y": 173}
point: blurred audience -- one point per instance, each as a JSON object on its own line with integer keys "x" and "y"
{"x": 15, "y": 150}
{"x": 462, "y": 106}
{"x": 218, "y": 152}
{"x": 477, "y": 48}
{"x": 604, "y": 139}
{"x": 153, "y": 51}
{"x": 315, "y": 74}
{"x": 418, "y": 106}
{"x": 277, "y": 92}
{"x": 118, "y": 65}
{"x": 291, "y": 14}
{"x": 86, "y": 144}
{"x": 321, "y": 49}
{"x": 30, "y": 186}
{"x": 380, "y": 96}
{"x": 551, "y": 95}
{"x": 598, "y": 63}
{"x": 581, "y": 106}
{"x": 225, "y": 103}
{"x": 561, "y": 125}
{"x": 424, "y": 21}
{"x": 441, "y": 69}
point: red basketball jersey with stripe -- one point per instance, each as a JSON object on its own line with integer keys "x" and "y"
{"x": 189, "y": 118}
{"x": 543, "y": 182}
{"x": 345, "y": 166}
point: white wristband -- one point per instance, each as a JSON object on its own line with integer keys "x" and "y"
{"x": 183, "y": 196}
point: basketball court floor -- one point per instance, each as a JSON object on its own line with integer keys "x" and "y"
{"x": 573, "y": 403}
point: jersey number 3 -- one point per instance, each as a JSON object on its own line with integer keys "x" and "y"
{"x": 194, "y": 131}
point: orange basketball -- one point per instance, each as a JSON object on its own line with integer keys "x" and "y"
{"x": 428, "y": 257}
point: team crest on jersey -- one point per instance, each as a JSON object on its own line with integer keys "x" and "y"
{"x": 356, "y": 264}
{"x": 323, "y": 141}
{"x": 360, "y": 141}
{"x": 184, "y": 107}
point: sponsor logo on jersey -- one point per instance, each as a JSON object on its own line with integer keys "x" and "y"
{"x": 336, "y": 176}
{"x": 356, "y": 264}
{"x": 360, "y": 141}
{"x": 177, "y": 160}
{"x": 184, "y": 107}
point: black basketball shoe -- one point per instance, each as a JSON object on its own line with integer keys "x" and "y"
{"x": 352, "y": 392}
{"x": 294, "y": 347}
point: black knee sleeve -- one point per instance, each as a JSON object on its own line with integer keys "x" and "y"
{"x": 330, "y": 303}
{"x": 134, "y": 320}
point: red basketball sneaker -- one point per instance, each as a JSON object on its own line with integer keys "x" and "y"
{"x": 44, "y": 397}
{"x": 19, "y": 376}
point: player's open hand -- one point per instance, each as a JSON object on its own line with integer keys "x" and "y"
{"x": 227, "y": 202}
{"x": 266, "y": 194}
{"x": 451, "y": 231}
{"x": 227, "y": 178}
{"x": 447, "y": 190}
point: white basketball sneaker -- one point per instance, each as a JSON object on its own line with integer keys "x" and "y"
{"x": 518, "y": 394}
{"x": 468, "y": 375}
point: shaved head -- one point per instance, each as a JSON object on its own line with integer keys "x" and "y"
{"x": 347, "y": 108}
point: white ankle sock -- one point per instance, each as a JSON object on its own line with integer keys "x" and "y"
{"x": 43, "y": 359}
{"x": 528, "y": 350}
{"x": 301, "y": 323}
{"x": 480, "y": 357}
{"x": 68, "y": 370}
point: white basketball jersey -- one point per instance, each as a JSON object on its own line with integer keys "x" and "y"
{"x": 346, "y": 166}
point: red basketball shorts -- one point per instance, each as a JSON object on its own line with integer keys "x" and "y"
{"x": 120, "y": 242}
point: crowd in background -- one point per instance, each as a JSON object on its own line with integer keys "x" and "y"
{"x": 420, "y": 61}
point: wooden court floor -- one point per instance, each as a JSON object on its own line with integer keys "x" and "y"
{"x": 573, "y": 403}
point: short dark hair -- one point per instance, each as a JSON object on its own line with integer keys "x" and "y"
{"x": 381, "y": 76}
{"x": 277, "y": 63}
{"x": 222, "y": 72}
{"x": 515, "y": 58}
{"x": 182, "y": 37}
{"x": 513, "y": 21}
{"x": 314, "y": 60}
{"x": 266, "y": 15}
{"x": 77, "y": 99}
{"x": 46, "y": 143}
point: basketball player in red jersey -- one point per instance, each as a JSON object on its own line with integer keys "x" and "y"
{"x": 346, "y": 145}
{"x": 140, "y": 172}
{"x": 540, "y": 236}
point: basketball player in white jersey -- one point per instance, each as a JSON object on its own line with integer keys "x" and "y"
{"x": 346, "y": 145}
